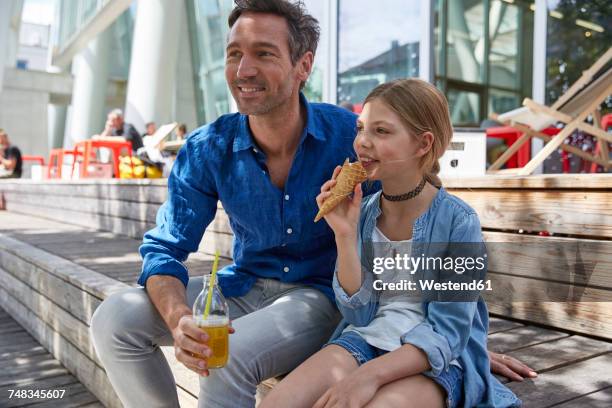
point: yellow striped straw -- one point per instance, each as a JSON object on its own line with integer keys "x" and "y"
{"x": 211, "y": 285}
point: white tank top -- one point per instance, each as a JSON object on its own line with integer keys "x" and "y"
{"x": 394, "y": 316}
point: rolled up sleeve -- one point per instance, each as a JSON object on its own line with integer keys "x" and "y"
{"x": 181, "y": 221}
{"x": 359, "y": 308}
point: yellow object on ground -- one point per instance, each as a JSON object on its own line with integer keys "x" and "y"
{"x": 137, "y": 169}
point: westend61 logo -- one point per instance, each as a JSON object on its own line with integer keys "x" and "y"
{"x": 432, "y": 285}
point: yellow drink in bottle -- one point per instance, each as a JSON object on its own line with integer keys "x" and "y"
{"x": 215, "y": 322}
{"x": 218, "y": 340}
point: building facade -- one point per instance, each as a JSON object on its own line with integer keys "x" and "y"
{"x": 163, "y": 60}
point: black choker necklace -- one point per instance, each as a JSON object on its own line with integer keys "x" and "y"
{"x": 408, "y": 195}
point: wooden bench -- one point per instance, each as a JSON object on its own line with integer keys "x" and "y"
{"x": 577, "y": 209}
{"x": 67, "y": 269}
{"x": 30, "y": 375}
{"x": 54, "y": 276}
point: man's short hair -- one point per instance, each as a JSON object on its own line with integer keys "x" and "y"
{"x": 116, "y": 112}
{"x": 149, "y": 124}
{"x": 303, "y": 28}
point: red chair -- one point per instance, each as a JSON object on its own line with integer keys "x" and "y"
{"x": 606, "y": 123}
{"x": 56, "y": 161}
{"x": 86, "y": 148}
{"x": 510, "y": 135}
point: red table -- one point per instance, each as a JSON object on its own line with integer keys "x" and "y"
{"x": 39, "y": 159}
{"x": 87, "y": 147}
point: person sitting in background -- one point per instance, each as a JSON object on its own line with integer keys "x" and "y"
{"x": 117, "y": 126}
{"x": 181, "y": 132}
{"x": 10, "y": 158}
{"x": 150, "y": 129}
{"x": 147, "y": 138}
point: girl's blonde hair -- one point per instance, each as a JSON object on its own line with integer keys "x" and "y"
{"x": 422, "y": 108}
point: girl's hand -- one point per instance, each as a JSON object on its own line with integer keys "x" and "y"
{"x": 344, "y": 218}
{"x": 355, "y": 391}
{"x": 510, "y": 367}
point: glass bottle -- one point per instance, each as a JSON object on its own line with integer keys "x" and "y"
{"x": 216, "y": 325}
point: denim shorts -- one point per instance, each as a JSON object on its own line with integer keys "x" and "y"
{"x": 451, "y": 381}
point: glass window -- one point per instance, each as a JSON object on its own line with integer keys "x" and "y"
{"x": 74, "y": 15}
{"x": 439, "y": 45}
{"x": 121, "y": 51}
{"x": 465, "y": 40}
{"x": 68, "y": 20}
{"x": 578, "y": 34}
{"x": 377, "y": 42}
{"x": 483, "y": 56}
{"x": 464, "y": 107}
{"x": 503, "y": 34}
{"x": 501, "y": 101}
{"x": 208, "y": 29}
{"x": 88, "y": 8}
{"x": 314, "y": 87}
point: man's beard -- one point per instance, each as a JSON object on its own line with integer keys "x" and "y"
{"x": 269, "y": 103}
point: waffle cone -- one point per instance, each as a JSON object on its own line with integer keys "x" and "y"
{"x": 350, "y": 175}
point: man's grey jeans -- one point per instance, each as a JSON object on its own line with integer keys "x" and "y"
{"x": 278, "y": 325}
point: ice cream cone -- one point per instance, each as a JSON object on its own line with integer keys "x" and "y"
{"x": 350, "y": 175}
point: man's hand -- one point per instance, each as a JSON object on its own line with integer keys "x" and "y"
{"x": 168, "y": 295}
{"x": 190, "y": 346}
{"x": 108, "y": 128}
{"x": 510, "y": 367}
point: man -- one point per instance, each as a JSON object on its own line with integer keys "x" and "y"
{"x": 11, "y": 162}
{"x": 181, "y": 131}
{"x": 150, "y": 129}
{"x": 266, "y": 165}
{"x": 116, "y": 126}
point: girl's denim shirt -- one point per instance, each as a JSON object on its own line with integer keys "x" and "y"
{"x": 451, "y": 330}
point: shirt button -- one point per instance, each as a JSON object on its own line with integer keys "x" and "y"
{"x": 289, "y": 230}
{"x": 287, "y": 197}
{"x": 283, "y": 245}
{"x": 286, "y": 269}
{"x": 255, "y": 150}
{"x": 263, "y": 172}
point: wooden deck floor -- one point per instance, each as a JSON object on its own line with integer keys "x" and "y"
{"x": 26, "y": 366}
{"x": 575, "y": 371}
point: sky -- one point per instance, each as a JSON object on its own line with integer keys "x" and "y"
{"x": 38, "y": 11}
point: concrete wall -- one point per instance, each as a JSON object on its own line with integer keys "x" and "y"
{"x": 23, "y": 107}
{"x": 23, "y": 114}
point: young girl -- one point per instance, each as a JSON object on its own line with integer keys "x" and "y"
{"x": 389, "y": 353}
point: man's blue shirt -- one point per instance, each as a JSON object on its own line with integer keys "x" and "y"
{"x": 274, "y": 232}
